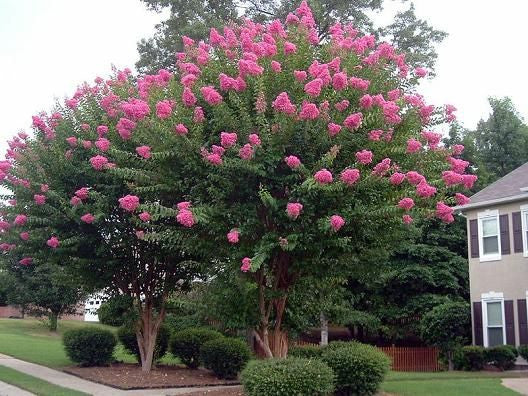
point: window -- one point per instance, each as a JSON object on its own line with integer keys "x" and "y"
{"x": 493, "y": 319}
{"x": 489, "y": 235}
{"x": 524, "y": 221}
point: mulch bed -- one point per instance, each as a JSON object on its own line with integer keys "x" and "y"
{"x": 129, "y": 376}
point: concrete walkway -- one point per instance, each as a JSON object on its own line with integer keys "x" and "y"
{"x": 73, "y": 382}
{"x": 10, "y": 390}
{"x": 517, "y": 384}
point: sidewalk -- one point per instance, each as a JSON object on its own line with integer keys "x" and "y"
{"x": 517, "y": 384}
{"x": 10, "y": 390}
{"x": 79, "y": 384}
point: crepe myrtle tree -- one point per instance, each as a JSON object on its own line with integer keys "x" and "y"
{"x": 266, "y": 148}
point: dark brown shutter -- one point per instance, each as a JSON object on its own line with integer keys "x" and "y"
{"x": 510, "y": 327}
{"x": 477, "y": 323}
{"x": 473, "y": 238}
{"x": 523, "y": 322}
{"x": 517, "y": 232}
{"x": 504, "y": 224}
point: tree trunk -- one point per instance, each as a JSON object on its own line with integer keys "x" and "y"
{"x": 146, "y": 334}
{"x": 450, "y": 364}
{"x": 53, "y": 319}
{"x": 274, "y": 344}
{"x": 324, "y": 330}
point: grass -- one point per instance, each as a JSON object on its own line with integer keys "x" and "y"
{"x": 448, "y": 387}
{"x": 35, "y": 385}
{"x": 30, "y": 340}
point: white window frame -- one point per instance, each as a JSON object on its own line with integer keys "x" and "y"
{"x": 486, "y": 298}
{"x": 524, "y": 228}
{"x": 488, "y": 214}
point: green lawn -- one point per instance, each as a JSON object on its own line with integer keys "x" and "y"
{"x": 35, "y": 385}
{"x": 30, "y": 340}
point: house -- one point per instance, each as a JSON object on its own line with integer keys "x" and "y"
{"x": 497, "y": 224}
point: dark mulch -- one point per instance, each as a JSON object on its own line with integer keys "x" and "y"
{"x": 129, "y": 376}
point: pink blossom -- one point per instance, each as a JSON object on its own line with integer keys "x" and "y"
{"x": 24, "y": 235}
{"x": 163, "y": 109}
{"x": 309, "y": 111}
{"x": 397, "y": 178}
{"x": 375, "y": 135}
{"x": 246, "y": 152}
{"x": 358, "y": 83}
{"x": 185, "y": 218}
{"x": 289, "y": 48}
{"x": 72, "y": 141}
{"x": 129, "y": 202}
{"x": 300, "y": 75}
{"x": 336, "y": 222}
{"x": 75, "y": 201}
{"x": 88, "y": 218}
{"x": 87, "y": 144}
{"x": 339, "y": 81}
{"x": 188, "y": 97}
{"x": 469, "y": 180}
{"x": 233, "y": 236}
{"x": 323, "y": 176}
{"x": 283, "y": 104}
{"x": 458, "y": 149}
{"x": 382, "y": 167}
{"x": 124, "y": 128}
{"x": 458, "y": 165}
{"x": 20, "y": 220}
{"x": 228, "y": 139}
{"x": 102, "y": 130}
{"x": 425, "y": 190}
{"x": 214, "y": 158}
{"x": 420, "y": 72}
{"x": 249, "y": 67}
{"x": 444, "y": 212}
{"x": 413, "y": 146}
{"x": 364, "y": 157}
{"x": 140, "y": 234}
{"x": 406, "y": 203}
{"x": 53, "y": 242}
{"x": 210, "y": 95}
{"x": 44, "y": 188}
{"x": 433, "y": 139}
{"x": 102, "y": 144}
{"x": 407, "y": 219}
{"x": 82, "y": 193}
{"x": 333, "y": 129}
{"x": 353, "y": 121}
{"x": 350, "y": 176}
{"x": 276, "y": 66}
{"x": 26, "y": 261}
{"x": 366, "y": 101}
{"x": 181, "y": 129}
{"x": 143, "y": 151}
{"x": 39, "y": 199}
{"x": 294, "y": 209}
{"x": 144, "y": 216}
{"x": 461, "y": 199}
{"x": 451, "y": 178}
{"x": 313, "y": 88}
{"x": 415, "y": 178}
{"x": 342, "y": 105}
{"x": 136, "y": 109}
{"x": 4, "y": 225}
{"x": 394, "y": 94}
{"x": 183, "y": 205}
{"x": 98, "y": 162}
{"x": 246, "y": 264}
{"x": 254, "y": 139}
{"x": 292, "y": 161}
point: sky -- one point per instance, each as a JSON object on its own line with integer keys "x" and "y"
{"x": 49, "y": 47}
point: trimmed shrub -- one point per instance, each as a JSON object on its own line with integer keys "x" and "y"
{"x": 305, "y": 351}
{"x": 116, "y": 311}
{"x": 523, "y": 351}
{"x": 359, "y": 368}
{"x": 127, "y": 336}
{"x": 89, "y": 346}
{"x": 287, "y": 377}
{"x": 186, "y": 344}
{"x": 500, "y": 356}
{"x": 471, "y": 358}
{"x": 226, "y": 357}
{"x": 513, "y": 349}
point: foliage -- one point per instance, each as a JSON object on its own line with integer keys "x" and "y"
{"x": 446, "y": 326}
{"x": 413, "y": 36}
{"x": 116, "y": 311}
{"x": 127, "y": 336}
{"x": 89, "y": 346}
{"x": 186, "y": 344}
{"x": 472, "y": 358}
{"x": 523, "y": 351}
{"x": 287, "y": 377}
{"x": 500, "y": 356}
{"x": 305, "y": 351}
{"x": 359, "y": 368}
{"x": 226, "y": 357}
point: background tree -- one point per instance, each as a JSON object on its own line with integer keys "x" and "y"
{"x": 409, "y": 34}
{"x": 447, "y": 326}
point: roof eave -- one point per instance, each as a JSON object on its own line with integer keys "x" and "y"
{"x": 513, "y": 198}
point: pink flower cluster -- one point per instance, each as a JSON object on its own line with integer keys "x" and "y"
{"x": 129, "y": 202}
{"x": 294, "y": 209}
{"x": 88, "y": 218}
{"x": 233, "y": 236}
{"x": 53, "y": 242}
{"x": 143, "y": 151}
{"x": 350, "y": 176}
{"x": 246, "y": 264}
{"x": 336, "y": 222}
{"x": 39, "y": 199}
{"x": 323, "y": 176}
{"x": 99, "y": 162}
{"x": 185, "y": 216}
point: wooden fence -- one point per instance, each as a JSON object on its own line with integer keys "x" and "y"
{"x": 423, "y": 359}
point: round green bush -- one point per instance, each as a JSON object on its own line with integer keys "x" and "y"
{"x": 116, "y": 311}
{"x": 226, "y": 357}
{"x": 89, "y": 346}
{"x": 472, "y": 358}
{"x": 500, "y": 356}
{"x": 287, "y": 377}
{"x": 127, "y": 336}
{"x": 359, "y": 368}
{"x": 186, "y": 344}
{"x": 523, "y": 351}
{"x": 305, "y": 351}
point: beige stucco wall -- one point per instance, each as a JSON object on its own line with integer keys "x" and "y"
{"x": 508, "y": 275}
